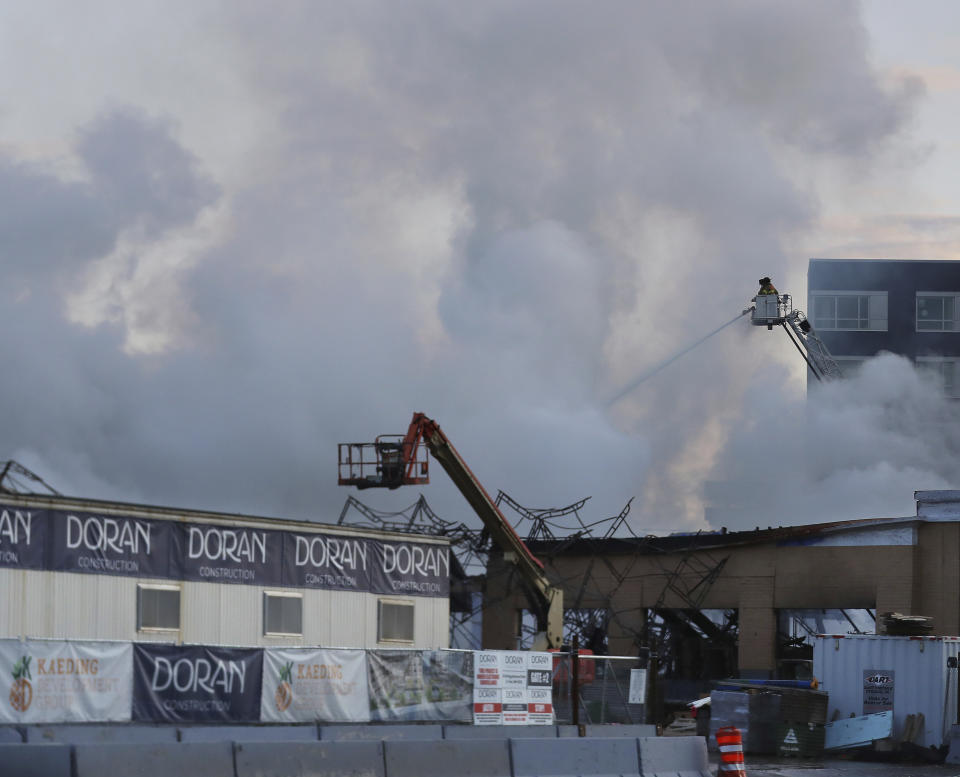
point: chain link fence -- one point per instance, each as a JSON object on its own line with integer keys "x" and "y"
{"x": 604, "y": 689}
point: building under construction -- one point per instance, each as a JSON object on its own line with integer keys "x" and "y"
{"x": 707, "y": 605}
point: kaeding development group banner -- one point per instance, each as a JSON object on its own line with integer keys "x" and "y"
{"x": 88, "y": 543}
{"x": 512, "y": 688}
{"x": 64, "y": 682}
{"x": 304, "y": 684}
{"x": 195, "y": 684}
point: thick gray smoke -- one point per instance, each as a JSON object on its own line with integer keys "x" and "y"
{"x": 857, "y": 448}
{"x": 497, "y": 214}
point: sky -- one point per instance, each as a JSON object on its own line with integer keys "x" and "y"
{"x": 236, "y": 234}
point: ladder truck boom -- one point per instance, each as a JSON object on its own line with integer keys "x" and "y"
{"x": 399, "y": 460}
{"x": 771, "y": 310}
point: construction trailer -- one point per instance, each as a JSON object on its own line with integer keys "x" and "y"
{"x": 87, "y": 569}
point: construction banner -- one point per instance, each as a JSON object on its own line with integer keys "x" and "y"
{"x": 410, "y": 568}
{"x": 22, "y": 537}
{"x": 110, "y": 544}
{"x": 65, "y": 682}
{"x": 301, "y": 684}
{"x": 195, "y": 684}
{"x": 135, "y": 546}
{"x": 425, "y": 685}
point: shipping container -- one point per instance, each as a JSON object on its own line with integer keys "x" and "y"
{"x": 866, "y": 673}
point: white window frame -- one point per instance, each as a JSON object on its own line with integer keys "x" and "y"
{"x": 956, "y": 311}
{"x": 836, "y": 294}
{"x": 267, "y": 596}
{"x": 141, "y": 587}
{"x": 951, "y": 390}
{"x": 396, "y": 603}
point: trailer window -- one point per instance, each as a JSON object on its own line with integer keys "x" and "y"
{"x": 158, "y": 607}
{"x": 395, "y": 621}
{"x": 282, "y": 613}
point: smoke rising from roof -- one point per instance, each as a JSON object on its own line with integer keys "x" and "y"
{"x": 858, "y": 447}
{"x": 497, "y": 215}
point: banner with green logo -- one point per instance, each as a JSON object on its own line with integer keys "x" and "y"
{"x": 301, "y": 684}
{"x": 52, "y": 681}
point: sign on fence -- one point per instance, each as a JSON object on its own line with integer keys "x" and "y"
{"x": 64, "y": 682}
{"x": 638, "y": 687}
{"x": 191, "y": 684}
{"x": 301, "y": 684}
{"x": 59, "y": 681}
{"x": 428, "y": 685}
{"x": 512, "y": 688}
{"x": 540, "y": 689}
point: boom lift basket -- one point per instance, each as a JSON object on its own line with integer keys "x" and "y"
{"x": 389, "y": 462}
{"x": 770, "y": 309}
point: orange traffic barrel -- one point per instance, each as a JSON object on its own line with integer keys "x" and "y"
{"x": 731, "y": 752}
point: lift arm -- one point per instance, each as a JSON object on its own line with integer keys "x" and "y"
{"x": 412, "y": 469}
{"x": 818, "y": 356}
{"x": 773, "y": 309}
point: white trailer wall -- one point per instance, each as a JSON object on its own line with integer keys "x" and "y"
{"x": 921, "y": 681}
{"x": 77, "y": 606}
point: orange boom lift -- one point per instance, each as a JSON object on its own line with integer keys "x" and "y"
{"x": 398, "y": 460}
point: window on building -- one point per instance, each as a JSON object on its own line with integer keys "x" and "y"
{"x": 282, "y": 613}
{"x": 945, "y": 371}
{"x": 850, "y": 366}
{"x": 938, "y": 311}
{"x": 395, "y": 621}
{"x": 158, "y": 607}
{"x": 842, "y": 310}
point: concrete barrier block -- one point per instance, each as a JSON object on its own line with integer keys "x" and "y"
{"x": 291, "y": 733}
{"x": 184, "y": 759}
{"x": 21, "y": 760}
{"x": 674, "y": 756}
{"x": 632, "y": 731}
{"x": 582, "y": 757}
{"x": 381, "y": 732}
{"x": 120, "y": 733}
{"x": 309, "y": 759}
{"x": 448, "y": 758}
{"x": 567, "y": 730}
{"x": 10, "y": 735}
{"x": 500, "y": 732}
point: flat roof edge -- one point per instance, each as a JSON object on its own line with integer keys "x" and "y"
{"x": 54, "y": 502}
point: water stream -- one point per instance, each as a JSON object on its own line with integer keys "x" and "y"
{"x": 667, "y": 362}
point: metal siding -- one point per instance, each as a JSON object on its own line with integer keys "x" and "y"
{"x": 352, "y": 616}
{"x": 72, "y": 606}
{"x": 432, "y": 623}
{"x": 317, "y": 606}
{"x": 920, "y": 677}
{"x": 12, "y": 584}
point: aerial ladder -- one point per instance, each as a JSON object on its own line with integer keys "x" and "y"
{"x": 771, "y": 310}
{"x": 392, "y": 461}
